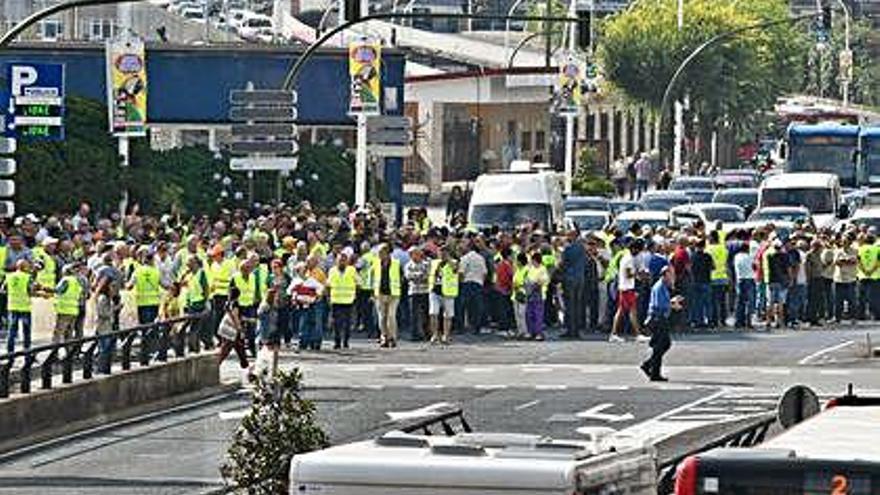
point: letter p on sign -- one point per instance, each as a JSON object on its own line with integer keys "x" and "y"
{"x": 22, "y": 76}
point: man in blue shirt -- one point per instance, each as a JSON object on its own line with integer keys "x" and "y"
{"x": 574, "y": 262}
{"x": 660, "y": 308}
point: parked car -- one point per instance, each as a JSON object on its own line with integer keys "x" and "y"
{"x": 663, "y": 200}
{"x": 256, "y": 28}
{"x": 709, "y": 214}
{"x": 588, "y": 220}
{"x": 644, "y": 218}
{"x": 619, "y": 206}
{"x": 789, "y": 214}
{"x": 746, "y": 197}
{"x": 687, "y": 182}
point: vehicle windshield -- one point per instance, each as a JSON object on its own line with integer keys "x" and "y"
{"x": 510, "y": 216}
{"x": 586, "y": 204}
{"x": 663, "y": 203}
{"x": 588, "y": 222}
{"x": 780, "y": 215}
{"x": 817, "y": 200}
{"x": 867, "y": 222}
{"x": 741, "y": 199}
{"x": 625, "y": 224}
{"x": 830, "y": 159}
{"x": 872, "y": 162}
{"x": 619, "y": 207}
{"x": 724, "y": 214}
{"x": 685, "y": 184}
{"x": 258, "y": 23}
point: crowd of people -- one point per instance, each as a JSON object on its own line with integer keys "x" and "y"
{"x": 291, "y": 276}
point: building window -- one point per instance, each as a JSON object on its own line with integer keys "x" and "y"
{"x": 527, "y": 141}
{"x": 51, "y": 30}
{"x": 540, "y": 141}
{"x": 102, "y": 29}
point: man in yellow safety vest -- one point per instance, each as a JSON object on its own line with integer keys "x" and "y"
{"x": 67, "y": 299}
{"x": 342, "y": 281}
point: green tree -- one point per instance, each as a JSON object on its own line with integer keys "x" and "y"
{"x": 642, "y": 47}
{"x": 822, "y": 68}
{"x": 558, "y": 8}
{"x": 280, "y": 424}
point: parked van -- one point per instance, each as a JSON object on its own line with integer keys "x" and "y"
{"x": 476, "y": 464}
{"x": 819, "y": 192}
{"x": 508, "y": 200}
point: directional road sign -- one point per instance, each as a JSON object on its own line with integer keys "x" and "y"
{"x": 264, "y": 130}
{"x": 7, "y": 209}
{"x": 8, "y": 145}
{"x": 7, "y": 188}
{"x": 262, "y": 97}
{"x": 7, "y": 167}
{"x": 264, "y": 147}
{"x": 390, "y": 136}
{"x": 36, "y": 102}
{"x": 264, "y": 163}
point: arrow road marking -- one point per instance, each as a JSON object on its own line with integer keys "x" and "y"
{"x": 597, "y": 414}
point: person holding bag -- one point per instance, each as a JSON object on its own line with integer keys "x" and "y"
{"x": 230, "y": 333}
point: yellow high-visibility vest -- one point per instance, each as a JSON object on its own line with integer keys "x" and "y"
{"x": 46, "y": 277}
{"x": 247, "y": 289}
{"x": 220, "y": 276}
{"x": 67, "y": 303}
{"x": 18, "y": 292}
{"x": 718, "y": 252}
{"x": 343, "y": 285}
{"x": 448, "y": 279}
{"x": 393, "y": 274}
{"x": 147, "y": 287}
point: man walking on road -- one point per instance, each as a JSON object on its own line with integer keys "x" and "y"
{"x": 627, "y": 298}
{"x": 659, "y": 310}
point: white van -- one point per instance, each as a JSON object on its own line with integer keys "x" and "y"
{"x": 508, "y": 200}
{"x": 818, "y": 192}
{"x": 475, "y": 464}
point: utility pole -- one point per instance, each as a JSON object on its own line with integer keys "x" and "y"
{"x": 569, "y": 118}
{"x": 547, "y": 33}
{"x": 679, "y": 111}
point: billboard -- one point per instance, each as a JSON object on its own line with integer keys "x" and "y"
{"x": 127, "y": 87}
{"x": 364, "y": 68}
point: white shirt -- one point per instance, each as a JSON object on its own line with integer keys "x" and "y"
{"x": 802, "y": 268}
{"x": 626, "y": 275}
{"x": 742, "y": 266}
{"x": 473, "y": 268}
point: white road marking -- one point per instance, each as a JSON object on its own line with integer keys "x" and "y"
{"x": 536, "y": 369}
{"x": 527, "y": 405}
{"x": 774, "y": 371}
{"x": 233, "y": 415}
{"x": 596, "y": 369}
{"x": 428, "y": 386}
{"x": 369, "y": 387}
{"x": 715, "y": 371}
{"x": 702, "y": 417}
{"x": 597, "y": 414}
{"x": 818, "y": 354}
{"x": 685, "y": 407}
{"x": 479, "y": 370}
{"x": 418, "y": 370}
{"x": 612, "y": 387}
{"x": 551, "y": 387}
{"x": 491, "y": 386}
{"x": 835, "y": 372}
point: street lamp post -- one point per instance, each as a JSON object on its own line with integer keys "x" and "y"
{"x": 569, "y": 119}
{"x": 679, "y": 110}
{"x": 846, "y": 55}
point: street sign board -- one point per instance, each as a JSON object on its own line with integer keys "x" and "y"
{"x": 262, "y": 97}
{"x": 36, "y": 102}
{"x": 264, "y": 130}
{"x": 8, "y": 145}
{"x": 265, "y": 147}
{"x": 264, "y": 163}
{"x": 7, "y": 167}
{"x": 7, "y": 209}
{"x": 383, "y": 122}
{"x": 263, "y": 114}
{"x": 393, "y": 136}
{"x": 390, "y": 151}
{"x": 7, "y": 188}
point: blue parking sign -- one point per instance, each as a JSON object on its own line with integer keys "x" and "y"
{"x": 35, "y": 109}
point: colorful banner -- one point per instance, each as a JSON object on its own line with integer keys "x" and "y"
{"x": 127, "y": 87}
{"x": 364, "y": 67}
{"x": 571, "y": 74}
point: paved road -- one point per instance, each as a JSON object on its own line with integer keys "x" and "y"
{"x": 557, "y": 388}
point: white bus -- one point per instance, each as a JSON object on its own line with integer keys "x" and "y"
{"x": 476, "y": 464}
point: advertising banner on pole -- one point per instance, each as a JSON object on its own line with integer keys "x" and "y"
{"x": 571, "y": 73}
{"x": 127, "y": 86}
{"x": 364, "y": 67}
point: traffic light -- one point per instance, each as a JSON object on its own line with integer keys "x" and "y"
{"x": 352, "y": 10}
{"x": 826, "y": 18}
{"x": 584, "y": 34}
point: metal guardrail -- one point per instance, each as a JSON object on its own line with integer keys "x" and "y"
{"x": 153, "y": 343}
{"x": 748, "y": 436}
{"x": 444, "y": 420}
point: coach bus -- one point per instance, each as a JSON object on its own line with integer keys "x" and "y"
{"x": 869, "y": 145}
{"x": 829, "y": 148}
